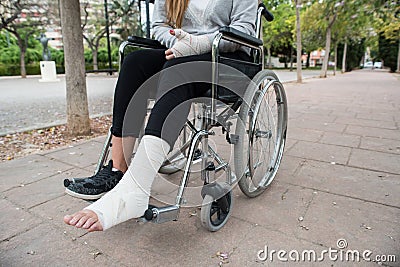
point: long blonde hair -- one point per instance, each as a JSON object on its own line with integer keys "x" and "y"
{"x": 175, "y": 11}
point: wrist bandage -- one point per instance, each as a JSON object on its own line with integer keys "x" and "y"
{"x": 130, "y": 197}
{"x": 189, "y": 45}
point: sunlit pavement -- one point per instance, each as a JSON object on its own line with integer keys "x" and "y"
{"x": 337, "y": 191}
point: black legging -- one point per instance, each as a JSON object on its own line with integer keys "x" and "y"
{"x": 174, "y": 86}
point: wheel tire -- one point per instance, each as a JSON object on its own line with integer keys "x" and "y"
{"x": 210, "y": 208}
{"x": 243, "y": 149}
{"x": 173, "y": 167}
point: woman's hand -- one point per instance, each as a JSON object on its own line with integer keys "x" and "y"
{"x": 169, "y": 55}
{"x": 187, "y": 45}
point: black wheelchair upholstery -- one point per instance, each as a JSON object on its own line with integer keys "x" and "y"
{"x": 248, "y": 68}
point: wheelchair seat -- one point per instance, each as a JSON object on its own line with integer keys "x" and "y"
{"x": 248, "y": 68}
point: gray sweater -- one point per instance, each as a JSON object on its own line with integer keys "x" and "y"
{"x": 238, "y": 14}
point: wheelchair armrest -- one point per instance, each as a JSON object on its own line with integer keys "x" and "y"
{"x": 240, "y": 36}
{"x": 145, "y": 42}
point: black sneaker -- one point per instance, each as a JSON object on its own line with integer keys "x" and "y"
{"x": 92, "y": 188}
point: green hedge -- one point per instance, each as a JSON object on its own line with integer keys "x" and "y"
{"x": 355, "y": 52}
{"x": 9, "y": 60}
{"x": 34, "y": 69}
{"x": 31, "y": 69}
{"x": 388, "y": 50}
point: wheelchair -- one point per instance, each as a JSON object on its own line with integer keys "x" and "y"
{"x": 258, "y": 139}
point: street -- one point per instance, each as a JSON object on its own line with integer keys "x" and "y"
{"x": 27, "y": 104}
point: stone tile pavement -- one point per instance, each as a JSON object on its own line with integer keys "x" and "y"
{"x": 339, "y": 179}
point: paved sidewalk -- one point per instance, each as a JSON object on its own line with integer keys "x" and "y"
{"x": 339, "y": 179}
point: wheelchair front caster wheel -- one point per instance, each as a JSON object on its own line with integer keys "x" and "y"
{"x": 216, "y": 212}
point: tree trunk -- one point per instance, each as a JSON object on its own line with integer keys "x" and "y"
{"x": 22, "y": 62}
{"x": 22, "y": 51}
{"x": 344, "y": 57}
{"x": 334, "y": 67}
{"x": 291, "y": 58}
{"x": 269, "y": 57}
{"x": 308, "y": 59}
{"x": 77, "y": 104}
{"x": 95, "y": 64}
{"x": 324, "y": 69}
{"x": 298, "y": 32}
{"x": 398, "y": 58}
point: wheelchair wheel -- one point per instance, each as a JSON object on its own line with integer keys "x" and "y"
{"x": 261, "y": 128}
{"x": 215, "y": 213}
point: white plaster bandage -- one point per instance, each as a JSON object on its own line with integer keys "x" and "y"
{"x": 130, "y": 198}
{"x": 189, "y": 44}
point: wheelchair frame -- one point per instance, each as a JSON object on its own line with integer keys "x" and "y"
{"x": 214, "y": 194}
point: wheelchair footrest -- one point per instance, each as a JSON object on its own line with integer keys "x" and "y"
{"x": 161, "y": 215}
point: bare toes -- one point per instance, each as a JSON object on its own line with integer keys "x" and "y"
{"x": 96, "y": 227}
{"x": 67, "y": 218}
{"x": 85, "y": 219}
{"x": 76, "y": 217}
{"x": 89, "y": 223}
{"x": 82, "y": 221}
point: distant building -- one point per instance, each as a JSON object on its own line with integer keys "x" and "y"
{"x": 316, "y": 58}
{"x": 54, "y": 34}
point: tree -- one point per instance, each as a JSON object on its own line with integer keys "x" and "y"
{"x": 123, "y": 15}
{"x": 321, "y": 17}
{"x": 298, "y": 38}
{"x": 126, "y": 18}
{"x": 330, "y": 10}
{"x": 352, "y": 28}
{"x": 353, "y": 58}
{"x": 23, "y": 18}
{"x": 278, "y": 34}
{"x": 388, "y": 51}
{"x": 311, "y": 30}
{"x": 94, "y": 28}
{"x": 389, "y": 23}
{"x": 77, "y": 104}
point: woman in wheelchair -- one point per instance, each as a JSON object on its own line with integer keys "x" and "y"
{"x": 187, "y": 28}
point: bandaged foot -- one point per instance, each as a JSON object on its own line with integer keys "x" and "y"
{"x": 130, "y": 197}
{"x": 189, "y": 44}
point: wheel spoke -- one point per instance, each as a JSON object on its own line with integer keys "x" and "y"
{"x": 264, "y": 146}
{"x": 266, "y": 128}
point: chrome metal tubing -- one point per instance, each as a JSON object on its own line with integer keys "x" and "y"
{"x": 104, "y": 152}
{"x": 214, "y": 85}
{"x": 232, "y": 39}
{"x": 165, "y": 214}
{"x": 259, "y": 22}
{"x": 178, "y": 152}
{"x": 204, "y": 161}
{"x": 222, "y": 165}
{"x": 185, "y": 178}
{"x": 259, "y": 49}
{"x": 253, "y": 121}
{"x": 264, "y": 181}
{"x": 125, "y": 44}
{"x": 262, "y": 58}
{"x": 220, "y": 161}
{"x": 121, "y": 50}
